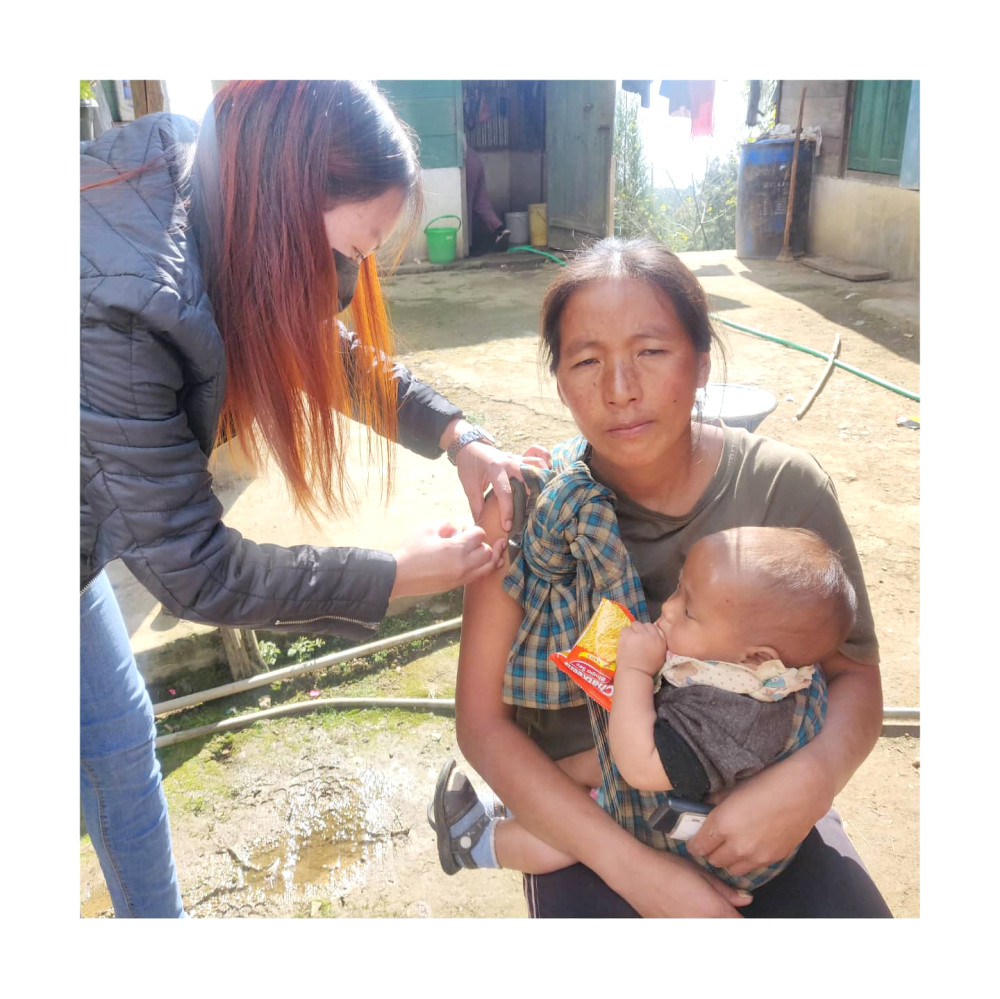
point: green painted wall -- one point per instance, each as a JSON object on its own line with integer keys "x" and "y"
{"x": 432, "y": 108}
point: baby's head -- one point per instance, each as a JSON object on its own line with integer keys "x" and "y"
{"x": 750, "y": 594}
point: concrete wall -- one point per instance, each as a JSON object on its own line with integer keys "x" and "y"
{"x": 527, "y": 179}
{"x": 444, "y": 194}
{"x": 826, "y": 107}
{"x": 496, "y": 168}
{"x": 865, "y": 223}
{"x": 514, "y": 179}
{"x": 865, "y": 218}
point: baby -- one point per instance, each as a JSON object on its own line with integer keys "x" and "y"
{"x": 754, "y": 608}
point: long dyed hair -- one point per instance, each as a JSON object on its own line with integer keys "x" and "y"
{"x": 271, "y": 157}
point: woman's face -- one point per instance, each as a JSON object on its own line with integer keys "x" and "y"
{"x": 628, "y": 370}
{"x": 358, "y": 228}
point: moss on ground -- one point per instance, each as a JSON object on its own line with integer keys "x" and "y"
{"x": 195, "y": 772}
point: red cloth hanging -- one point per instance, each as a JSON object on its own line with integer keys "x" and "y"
{"x": 702, "y": 101}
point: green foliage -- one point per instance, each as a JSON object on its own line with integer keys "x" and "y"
{"x": 269, "y": 653}
{"x": 379, "y": 674}
{"x": 636, "y": 210}
{"x": 701, "y": 216}
{"x": 763, "y": 116}
{"x": 303, "y": 649}
{"x": 87, "y": 90}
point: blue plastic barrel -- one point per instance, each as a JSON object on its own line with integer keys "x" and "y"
{"x": 762, "y": 197}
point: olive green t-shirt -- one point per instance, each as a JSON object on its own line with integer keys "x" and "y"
{"x": 759, "y": 482}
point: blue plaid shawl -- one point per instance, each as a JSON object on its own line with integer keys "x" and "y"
{"x": 571, "y": 556}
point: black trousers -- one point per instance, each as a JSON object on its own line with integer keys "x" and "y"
{"x": 826, "y": 880}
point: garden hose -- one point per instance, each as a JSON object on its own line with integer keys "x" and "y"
{"x": 817, "y": 353}
{"x": 541, "y": 253}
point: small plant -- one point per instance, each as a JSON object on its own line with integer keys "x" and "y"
{"x": 303, "y": 649}
{"x": 269, "y": 653}
{"x": 87, "y": 90}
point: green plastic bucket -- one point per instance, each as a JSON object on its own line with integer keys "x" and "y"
{"x": 441, "y": 240}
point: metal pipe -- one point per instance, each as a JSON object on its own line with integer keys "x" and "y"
{"x": 817, "y": 353}
{"x": 274, "y": 676}
{"x": 442, "y": 704}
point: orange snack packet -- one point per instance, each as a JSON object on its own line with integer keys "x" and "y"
{"x": 591, "y": 662}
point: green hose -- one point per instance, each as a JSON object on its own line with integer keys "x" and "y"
{"x": 818, "y": 353}
{"x": 541, "y": 253}
{"x": 767, "y": 336}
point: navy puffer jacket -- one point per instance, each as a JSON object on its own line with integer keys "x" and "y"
{"x": 152, "y": 378}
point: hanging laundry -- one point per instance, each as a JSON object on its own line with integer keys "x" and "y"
{"x": 678, "y": 93}
{"x": 692, "y": 99}
{"x": 640, "y": 87}
{"x": 702, "y": 102}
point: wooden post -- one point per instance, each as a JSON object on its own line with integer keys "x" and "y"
{"x": 610, "y": 223}
{"x": 242, "y": 653}
{"x": 147, "y": 96}
{"x": 785, "y": 254}
{"x": 823, "y": 378}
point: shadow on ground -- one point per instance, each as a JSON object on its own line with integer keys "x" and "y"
{"x": 827, "y": 295}
{"x": 442, "y": 310}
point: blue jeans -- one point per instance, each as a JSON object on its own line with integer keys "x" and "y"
{"x": 120, "y": 787}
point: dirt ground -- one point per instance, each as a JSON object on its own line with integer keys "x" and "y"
{"x": 323, "y": 815}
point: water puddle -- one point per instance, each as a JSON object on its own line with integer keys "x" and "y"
{"x": 336, "y": 830}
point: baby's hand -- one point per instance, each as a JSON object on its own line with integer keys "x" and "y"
{"x": 642, "y": 647}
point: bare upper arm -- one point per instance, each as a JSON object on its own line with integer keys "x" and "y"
{"x": 838, "y": 664}
{"x": 490, "y": 620}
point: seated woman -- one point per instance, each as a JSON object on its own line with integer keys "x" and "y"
{"x": 626, "y": 331}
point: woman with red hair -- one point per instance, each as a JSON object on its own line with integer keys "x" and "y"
{"x": 214, "y": 266}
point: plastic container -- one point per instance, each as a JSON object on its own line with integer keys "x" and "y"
{"x": 762, "y": 197}
{"x": 517, "y": 222}
{"x": 735, "y": 405}
{"x": 538, "y": 224}
{"x": 88, "y": 118}
{"x": 441, "y": 240}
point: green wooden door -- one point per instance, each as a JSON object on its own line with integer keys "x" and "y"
{"x": 878, "y": 128}
{"x": 579, "y": 122}
{"x": 432, "y": 109}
